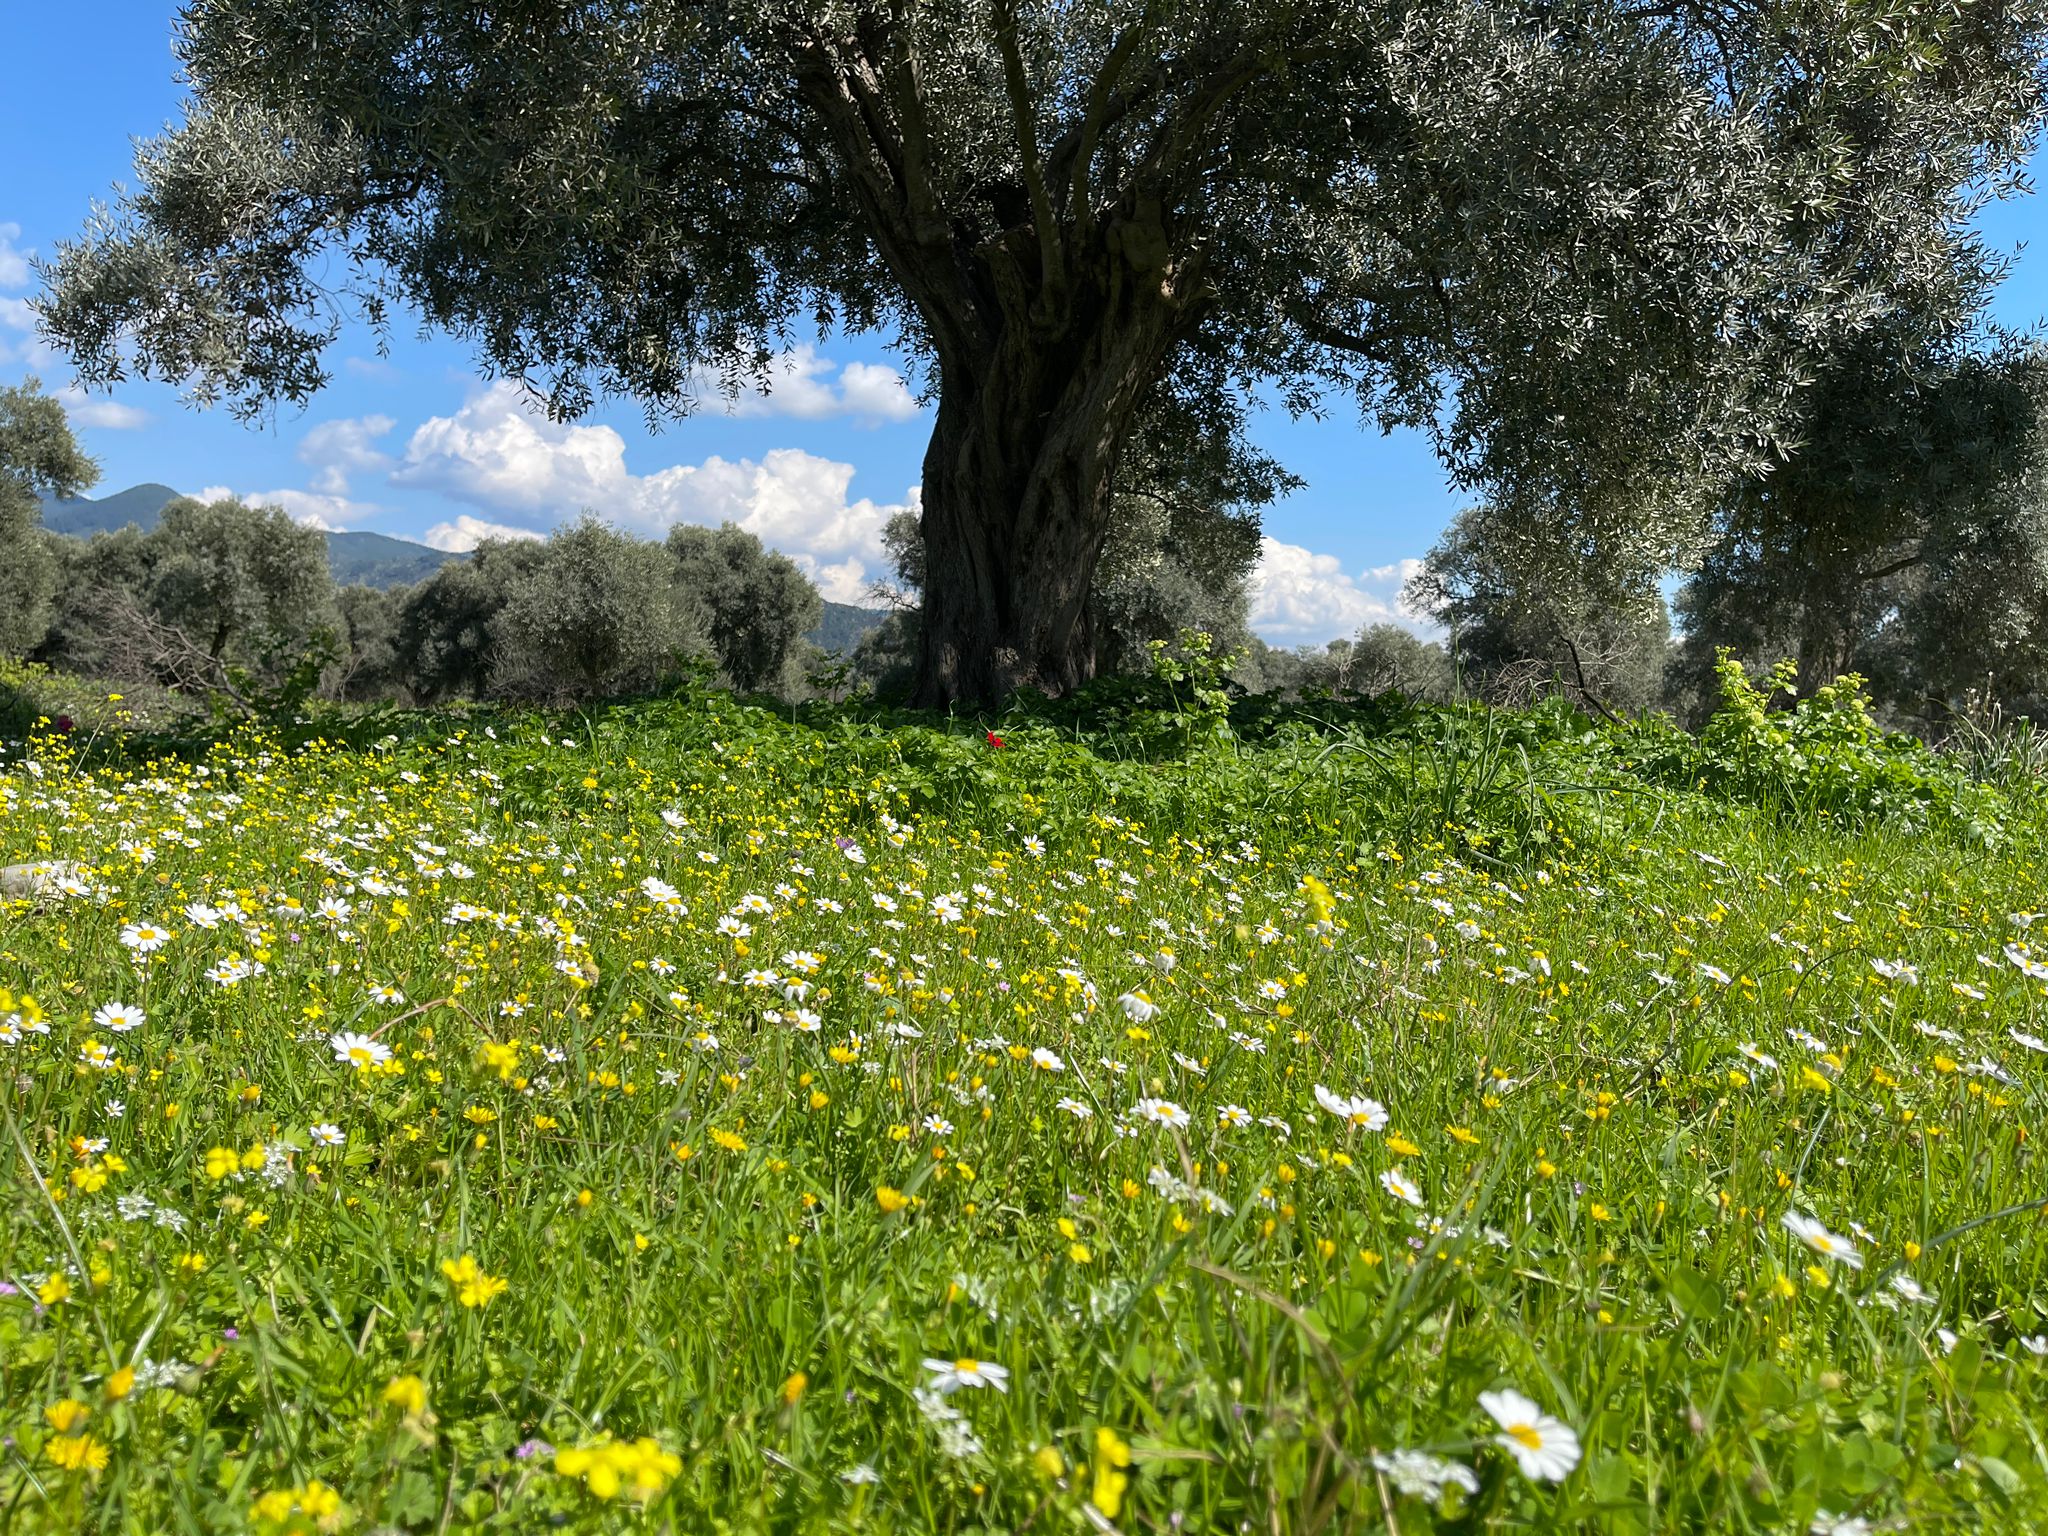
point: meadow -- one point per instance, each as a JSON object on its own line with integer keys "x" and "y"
{"x": 1185, "y": 1117}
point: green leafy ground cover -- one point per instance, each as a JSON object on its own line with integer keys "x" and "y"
{"x": 1177, "y": 1117}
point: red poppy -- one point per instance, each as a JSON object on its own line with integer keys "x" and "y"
{"x": 64, "y": 723}
{"x": 994, "y": 740}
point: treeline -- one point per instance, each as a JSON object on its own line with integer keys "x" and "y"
{"x": 1905, "y": 540}
{"x": 238, "y": 600}
{"x": 237, "y": 603}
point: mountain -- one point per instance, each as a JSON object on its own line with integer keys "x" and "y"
{"x": 378, "y": 560}
{"x": 83, "y": 517}
{"x": 843, "y": 625}
{"x": 365, "y": 559}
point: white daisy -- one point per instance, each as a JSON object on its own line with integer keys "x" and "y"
{"x": 145, "y": 938}
{"x": 1546, "y": 1449}
{"x": 119, "y": 1017}
{"x": 1357, "y": 1112}
{"x": 1823, "y": 1242}
{"x": 358, "y": 1051}
{"x": 952, "y": 1375}
{"x": 1401, "y": 1187}
{"x": 1161, "y": 1112}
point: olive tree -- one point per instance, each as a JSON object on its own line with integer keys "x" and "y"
{"x": 38, "y": 458}
{"x": 1526, "y": 610}
{"x": 595, "y": 615}
{"x": 243, "y": 582}
{"x": 1902, "y": 535}
{"x": 368, "y": 666}
{"x": 1577, "y": 241}
{"x": 755, "y": 605}
{"x": 444, "y": 647}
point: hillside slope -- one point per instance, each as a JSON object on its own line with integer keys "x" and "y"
{"x": 366, "y": 559}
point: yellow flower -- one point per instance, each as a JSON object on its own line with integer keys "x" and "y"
{"x": 1112, "y": 1475}
{"x": 408, "y": 1394}
{"x": 275, "y": 1506}
{"x": 53, "y": 1290}
{"x": 728, "y": 1140}
{"x": 1320, "y": 903}
{"x": 610, "y": 1467}
{"x": 473, "y": 1288}
{"x": 793, "y": 1388}
{"x": 222, "y": 1161}
{"x": 90, "y": 1179}
{"x": 318, "y": 1500}
{"x": 76, "y": 1453}
{"x": 121, "y": 1383}
{"x": 890, "y": 1200}
{"x": 1401, "y": 1146}
{"x": 65, "y": 1415}
{"x": 1049, "y": 1462}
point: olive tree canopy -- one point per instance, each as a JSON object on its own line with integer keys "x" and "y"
{"x": 1579, "y": 240}
{"x": 38, "y": 458}
{"x": 1906, "y": 537}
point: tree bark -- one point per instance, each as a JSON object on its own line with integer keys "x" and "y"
{"x": 1016, "y": 504}
{"x": 1047, "y": 336}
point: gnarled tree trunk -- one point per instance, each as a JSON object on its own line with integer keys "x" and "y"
{"x": 1017, "y": 503}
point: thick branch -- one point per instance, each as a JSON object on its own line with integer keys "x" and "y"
{"x": 1026, "y": 117}
{"x": 1904, "y": 564}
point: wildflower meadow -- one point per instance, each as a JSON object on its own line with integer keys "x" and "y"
{"x": 692, "y": 1117}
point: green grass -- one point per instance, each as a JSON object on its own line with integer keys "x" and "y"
{"x": 736, "y": 1223}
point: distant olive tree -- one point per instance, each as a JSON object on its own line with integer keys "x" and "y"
{"x": 595, "y": 615}
{"x": 94, "y": 571}
{"x": 246, "y": 583}
{"x": 1385, "y": 658}
{"x": 1527, "y": 611}
{"x": 219, "y": 598}
{"x": 368, "y": 666}
{"x": 755, "y": 605}
{"x": 446, "y": 646}
{"x": 1904, "y": 537}
{"x": 38, "y": 458}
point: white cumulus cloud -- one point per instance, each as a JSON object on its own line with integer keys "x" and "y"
{"x": 312, "y": 509}
{"x": 340, "y": 448}
{"x": 19, "y": 342}
{"x": 800, "y": 384}
{"x": 85, "y": 411}
{"x": 498, "y": 455}
{"x": 1299, "y": 597}
{"x": 466, "y": 532}
{"x": 13, "y": 260}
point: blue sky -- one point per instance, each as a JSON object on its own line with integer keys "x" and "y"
{"x": 413, "y": 444}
